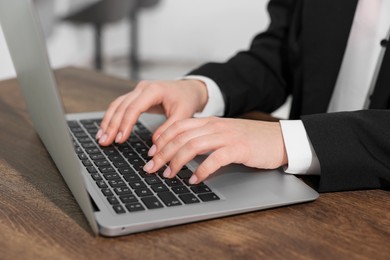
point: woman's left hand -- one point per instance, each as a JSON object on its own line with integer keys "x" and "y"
{"x": 252, "y": 143}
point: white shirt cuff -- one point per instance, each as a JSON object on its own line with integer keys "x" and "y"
{"x": 215, "y": 105}
{"x": 302, "y": 159}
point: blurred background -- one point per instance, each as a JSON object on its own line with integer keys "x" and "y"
{"x": 144, "y": 39}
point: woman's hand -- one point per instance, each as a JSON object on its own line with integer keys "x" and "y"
{"x": 252, "y": 143}
{"x": 176, "y": 99}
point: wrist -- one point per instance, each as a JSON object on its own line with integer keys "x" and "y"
{"x": 201, "y": 93}
{"x": 284, "y": 155}
{"x": 283, "y": 150}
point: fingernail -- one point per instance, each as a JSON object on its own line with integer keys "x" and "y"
{"x": 193, "y": 179}
{"x": 152, "y": 150}
{"x": 104, "y": 138}
{"x": 118, "y": 137}
{"x": 99, "y": 133}
{"x": 167, "y": 172}
{"x": 148, "y": 167}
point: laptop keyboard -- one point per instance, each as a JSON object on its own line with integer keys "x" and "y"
{"x": 118, "y": 172}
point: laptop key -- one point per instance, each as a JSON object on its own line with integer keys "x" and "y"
{"x": 80, "y": 135}
{"x": 91, "y": 169}
{"x": 82, "y": 156}
{"x": 123, "y": 191}
{"x": 102, "y": 184}
{"x": 169, "y": 199}
{"x": 138, "y": 145}
{"x": 87, "y": 163}
{"x": 87, "y": 121}
{"x": 152, "y": 203}
{"x": 109, "y": 150}
{"x": 173, "y": 182}
{"x": 137, "y": 185}
{"x": 145, "y": 156}
{"x": 141, "y": 150}
{"x": 123, "y": 146}
{"x": 115, "y": 158}
{"x": 117, "y": 183}
{"x": 159, "y": 188}
{"x": 131, "y": 177}
{"x": 137, "y": 163}
{"x": 79, "y": 150}
{"x": 77, "y": 129}
{"x": 107, "y": 192}
{"x": 131, "y": 155}
{"x": 106, "y": 169}
{"x": 144, "y": 192}
{"x": 180, "y": 189}
{"x": 201, "y": 189}
{"x": 96, "y": 176}
{"x": 100, "y": 163}
{"x": 208, "y": 197}
{"x": 97, "y": 156}
{"x": 73, "y": 123}
{"x": 88, "y": 145}
{"x": 90, "y": 126}
{"x": 130, "y": 198}
{"x": 112, "y": 200}
{"x": 84, "y": 139}
{"x": 126, "y": 170}
{"x": 92, "y": 132}
{"x": 135, "y": 207}
{"x": 111, "y": 176}
{"x": 152, "y": 180}
{"x": 185, "y": 174}
{"x": 92, "y": 151}
{"x": 189, "y": 198}
{"x": 121, "y": 164}
{"x": 144, "y": 174}
{"x": 119, "y": 209}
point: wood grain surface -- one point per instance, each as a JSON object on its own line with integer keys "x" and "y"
{"x": 39, "y": 219}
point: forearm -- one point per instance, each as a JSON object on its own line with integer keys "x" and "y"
{"x": 353, "y": 149}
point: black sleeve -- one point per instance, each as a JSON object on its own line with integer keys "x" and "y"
{"x": 353, "y": 149}
{"x": 256, "y": 79}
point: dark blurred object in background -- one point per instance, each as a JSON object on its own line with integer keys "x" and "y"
{"x": 110, "y": 11}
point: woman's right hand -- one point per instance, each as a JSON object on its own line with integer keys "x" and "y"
{"x": 177, "y": 99}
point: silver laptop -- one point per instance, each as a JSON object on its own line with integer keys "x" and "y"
{"x": 116, "y": 196}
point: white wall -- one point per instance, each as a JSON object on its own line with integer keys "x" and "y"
{"x": 179, "y": 30}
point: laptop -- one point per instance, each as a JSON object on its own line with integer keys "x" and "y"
{"x": 115, "y": 195}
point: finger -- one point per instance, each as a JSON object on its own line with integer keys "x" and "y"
{"x": 183, "y": 148}
{"x": 212, "y": 163}
{"x": 111, "y": 130}
{"x": 178, "y": 128}
{"x": 194, "y": 147}
{"x": 141, "y": 104}
{"x": 164, "y": 156}
{"x": 178, "y": 115}
{"x": 115, "y": 105}
{"x": 124, "y": 119}
{"x": 109, "y": 114}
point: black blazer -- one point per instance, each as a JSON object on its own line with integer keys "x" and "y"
{"x": 300, "y": 54}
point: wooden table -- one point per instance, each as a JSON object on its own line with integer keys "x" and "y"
{"x": 39, "y": 219}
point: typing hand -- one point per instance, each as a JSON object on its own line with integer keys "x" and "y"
{"x": 252, "y": 143}
{"x": 176, "y": 99}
